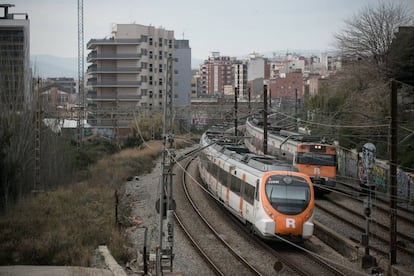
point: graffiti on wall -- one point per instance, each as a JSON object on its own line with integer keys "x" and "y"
{"x": 404, "y": 184}
{"x": 379, "y": 177}
{"x": 199, "y": 118}
{"x": 350, "y": 166}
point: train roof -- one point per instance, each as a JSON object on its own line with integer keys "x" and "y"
{"x": 281, "y": 131}
{"x": 231, "y": 147}
{"x": 267, "y": 163}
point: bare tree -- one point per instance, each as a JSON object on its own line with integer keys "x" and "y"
{"x": 368, "y": 34}
{"x": 16, "y": 132}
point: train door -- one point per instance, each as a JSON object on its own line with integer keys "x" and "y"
{"x": 295, "y": 156}
{"x": 257, "y": 205}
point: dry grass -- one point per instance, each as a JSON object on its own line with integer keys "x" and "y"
{"x": 63, "y": 227}
{"x": 59, "y": 227}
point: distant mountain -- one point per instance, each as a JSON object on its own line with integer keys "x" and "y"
{"x": 47, "y": 66}
{"x": 51, "y": 66}
{"x": 195, "y": 63}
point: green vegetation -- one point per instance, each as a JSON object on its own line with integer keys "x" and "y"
{"x": 354, "y": 107}
{"x": 64, "y": 226}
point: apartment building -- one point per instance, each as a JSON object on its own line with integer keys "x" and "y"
{"x": 240, "y": 80}
{"x": 128, "y": 74}
{"x": 67, "y": 84}
{"x": 15, "y": 73}
{"x": 216, "y": 73}
{"x": 287, "y": 89}
{"x": 182, "y": 73}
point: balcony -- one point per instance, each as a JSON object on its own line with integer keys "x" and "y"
{"x": 111, "y": 56}
{"x": 93, "y": 69}
{"x": 111, "y": 41}
{"x": 114, "y": 97}
{"x": 94, "y": 83}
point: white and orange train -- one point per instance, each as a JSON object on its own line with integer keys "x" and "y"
{"x": 268, "y": 196}
{"x": 307, "y": 153}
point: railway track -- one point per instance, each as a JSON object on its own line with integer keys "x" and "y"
{"x": 351, "y": 189}
{"x": 222, "y": 257}
{"x": 347, "y": 211}
{"x": 260, "y": 258}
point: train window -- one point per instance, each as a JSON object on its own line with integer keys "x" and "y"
{"x": 256, "y": 196}
{"x": 316, "y": 159}
{"x": 235, "y": 184}
{"x": 288, "y": 195}
{"x": 223, "y": 177}
{"x": 248, "y": 193}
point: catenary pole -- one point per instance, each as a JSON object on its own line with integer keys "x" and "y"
{"x": 393, "y": 175}
{"x": 265, "y": 119}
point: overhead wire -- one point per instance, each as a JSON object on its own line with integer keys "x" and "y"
{"x": 279, "y": 237}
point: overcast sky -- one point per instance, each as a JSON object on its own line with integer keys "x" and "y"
{"x": 232, "y": 27}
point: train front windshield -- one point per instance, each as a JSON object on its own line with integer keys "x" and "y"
{"x": 316, "y": 159}
{"x": 289, "y": 195}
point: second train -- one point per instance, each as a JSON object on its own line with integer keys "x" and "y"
{"x": 309, "y": 154}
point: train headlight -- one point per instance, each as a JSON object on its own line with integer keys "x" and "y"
{"x": 287, "y": 180}
{"x": 309, "y": 215}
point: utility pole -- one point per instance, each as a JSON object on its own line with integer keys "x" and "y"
{"x": 393, "y": 174}
{"x": 296, "y": 108}
{"x": 265, "y": 119}
{"x": 236, "y": 90}
{"x": 249, "y": 96}
{"x": 37, "y": 135}
{"x": 81, "y": 92}
{"x": 166, "y": 204}
{"x": 368, "y": 161}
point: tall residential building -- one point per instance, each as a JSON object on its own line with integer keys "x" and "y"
{"x": 256, "y": 67}
{"x": 215, "y": 75}
{"x": 182, "y": 73}
{"x": 240, "y": 79}
{"x": 195, "y": 82}
{"x": 128, "y": 74}
{"x": 15, "y": 74}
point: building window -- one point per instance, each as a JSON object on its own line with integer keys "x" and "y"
{"x": 143, "y": 92}
{"x": 63, "y": 98}
{"x": 160, "y": 54}
{"x": 144, "y": 52}
{"x": 150, "y": 41}
{"x": 160, "y": 81}
{"x": 143, "y": 65}
{"x": 150, "y": 54}
{"x": 150, "y": 67}
{"x": 143, "y": 78}
{"x": 160, "y": 41}
{"x": 160, "y": 94}
{"x": 144, "y": 38}
{"x": 170, "y": 43}
{"x": 160, "y": 68}
{"x": 150, "y": 80}
{"x": 150, "y": 94}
